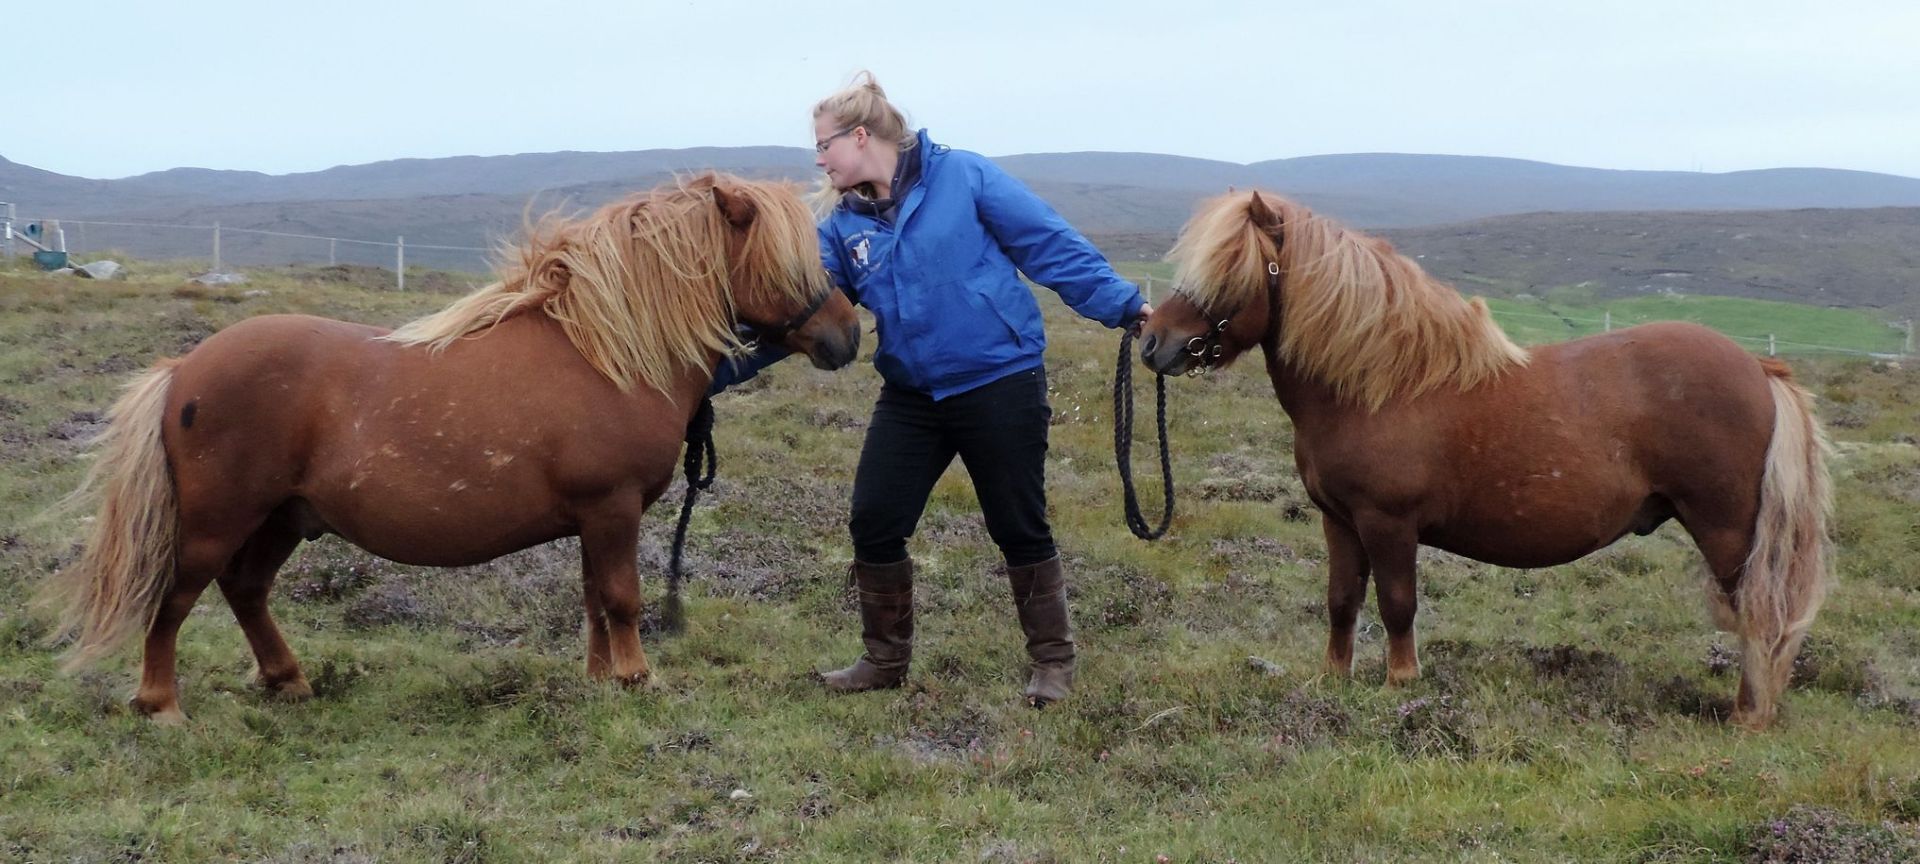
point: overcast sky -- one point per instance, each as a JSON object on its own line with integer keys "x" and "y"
{"x": 111, "y": 89}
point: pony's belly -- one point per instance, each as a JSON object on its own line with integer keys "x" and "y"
{"x": 436, "y": 521}
{"x": 431, "y": 541}
{"x": 1543, "y": 538}
{"x": 1519, "y": 552}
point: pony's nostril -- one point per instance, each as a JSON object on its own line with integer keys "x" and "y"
{"x": 1148, "y": 344}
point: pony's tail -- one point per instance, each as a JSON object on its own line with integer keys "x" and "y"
{"x": 1786, "y": 576}
{"x": 115, "y": 588}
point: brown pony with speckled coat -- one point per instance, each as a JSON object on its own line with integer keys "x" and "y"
{"x": 549, "y": 404}
{"x": 1417, "y": 421}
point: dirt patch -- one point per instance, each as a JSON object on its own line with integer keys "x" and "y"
{"x": 1685, "y": 696}
{"x": 1433, "y": 727}
{"x": 80, "y": 427}
{"x": 837, "y": 418}
{"x": 947, "y": 738}
{"x": 386, "y": 604}
{"x": 183, "y": 331}
{"x": 1300, "y": 720}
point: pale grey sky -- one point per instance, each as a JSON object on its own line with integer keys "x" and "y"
{"x": 111, "y": 89}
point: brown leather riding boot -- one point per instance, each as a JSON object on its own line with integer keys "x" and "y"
{"x": 886, "y": 626}
{"x": 1040, "y": 597}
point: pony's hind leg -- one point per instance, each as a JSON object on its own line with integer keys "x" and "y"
{"x": 1726, "y": 550}
{"x": 246, "y": 585}
{"x": 199, "y": 560}
{"x": 1346, "y": 591}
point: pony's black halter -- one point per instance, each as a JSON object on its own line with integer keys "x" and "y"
{"x": 1206, "y": 349}
{"x": 778, "y": 332}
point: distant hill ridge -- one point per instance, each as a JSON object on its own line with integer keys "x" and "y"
{"x": 1100, "y": 192}
{"x": 1822, "y": 236}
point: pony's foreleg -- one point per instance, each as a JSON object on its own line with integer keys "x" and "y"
{"x": 607, "y": 550}
{"x": 1346, "y": 591}
{"x": 598, "y": 660}
{"x": 1391, "y": 548}
{"x": 246, "y": 585}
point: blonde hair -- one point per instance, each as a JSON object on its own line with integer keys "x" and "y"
{"x": 1356, "y": 315}
{"x": 642, "y": 287}
{"x": 860, "y": 103}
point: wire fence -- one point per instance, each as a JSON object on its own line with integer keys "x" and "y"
{"x": 1770, "y": 342}
{"x": 227, "y": 246}
{"x": 224, "y": 246}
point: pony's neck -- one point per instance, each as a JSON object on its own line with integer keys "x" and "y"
{"x": 1302, "y": 396}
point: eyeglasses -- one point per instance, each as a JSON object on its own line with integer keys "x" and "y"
{"x": 821, "y": 145}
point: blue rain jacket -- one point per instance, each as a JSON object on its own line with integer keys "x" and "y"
{"x": 942, "y": 276}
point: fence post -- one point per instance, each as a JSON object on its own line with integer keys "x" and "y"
{"x": 216, "y": 247}
{"x": 1909, "y": 326}
{"x": 331, "y": 244}
{"x": 1608, "y": 318}
{"x": 9, "y": 232}
{"x": 400, "y": 261}
{"x": 1149, "y": 291}
{"x": 1770, "y": 351}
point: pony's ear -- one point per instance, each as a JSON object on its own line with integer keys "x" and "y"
{"x": 738, "y": 208}
{"x": 1261, "y": 214}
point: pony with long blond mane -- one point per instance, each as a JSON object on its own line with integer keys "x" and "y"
{"x": 583, "y": 274}
{"x": 1418, "y": 422}
{"x": 551, "y": 403}
{"x": 1358, "y": 316}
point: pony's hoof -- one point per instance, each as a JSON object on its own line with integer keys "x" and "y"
{"x": 1402, "y": 677}
{"x": 1751, "y": 721}
{"x": 293, "y": 690}
{"x": 160, "y": 715}
{"x": 641, "y": 680}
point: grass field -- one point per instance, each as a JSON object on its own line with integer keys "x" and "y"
{"x": 1568, "y": 714}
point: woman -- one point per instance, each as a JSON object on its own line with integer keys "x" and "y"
{"x": 933, "y": 240}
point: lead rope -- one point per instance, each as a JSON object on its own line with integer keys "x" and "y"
{"x": 1123, "y": 442}
{"x": 700, "y": 450}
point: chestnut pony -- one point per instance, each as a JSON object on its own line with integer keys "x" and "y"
{"x": 1417, "y": 421}
{"x": 549, "y": 404}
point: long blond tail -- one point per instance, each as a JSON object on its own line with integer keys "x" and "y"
{"x": 1786, "y": 576}
{"x": 115, "y": 588}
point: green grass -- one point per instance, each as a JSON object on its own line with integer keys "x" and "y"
{"x": 1566, "y": 714}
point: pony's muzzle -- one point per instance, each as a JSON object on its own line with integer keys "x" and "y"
{"x": 836, "y": 350}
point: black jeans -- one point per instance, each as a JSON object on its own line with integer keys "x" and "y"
{"x": 999, "y": 431}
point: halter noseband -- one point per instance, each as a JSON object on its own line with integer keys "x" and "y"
{"x": 1207, "y": 348}
{"x": 778, "y": 332}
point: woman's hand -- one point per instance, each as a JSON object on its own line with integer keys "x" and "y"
{"x": 1146, "y": 311}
